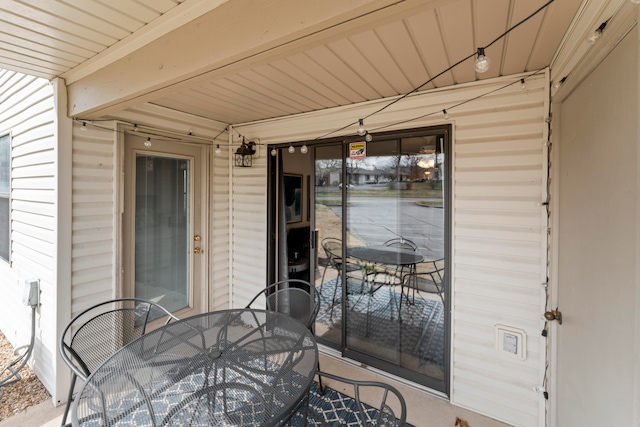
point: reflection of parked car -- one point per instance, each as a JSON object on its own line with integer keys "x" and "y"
{"x": 348, "y": 185}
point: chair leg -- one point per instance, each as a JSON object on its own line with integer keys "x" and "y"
{"x": 319, "y": 378}
{"x": 69, "y": 400}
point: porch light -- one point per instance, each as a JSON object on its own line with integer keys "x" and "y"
{"x": 244, "y": 153}
{"x": 482, "y": 62}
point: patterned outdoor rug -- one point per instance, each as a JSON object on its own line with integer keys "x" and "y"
{"x": 374, "y": 317}
{"x": 335, "y": 407}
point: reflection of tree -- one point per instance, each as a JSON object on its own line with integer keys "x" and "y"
{"x": 324, "y": 169}
{"x": 403, "y": 166}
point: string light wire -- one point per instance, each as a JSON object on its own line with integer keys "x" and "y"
{"x": 137, "y": 128}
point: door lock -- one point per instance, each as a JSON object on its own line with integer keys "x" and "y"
{"x": 197, "y": 250}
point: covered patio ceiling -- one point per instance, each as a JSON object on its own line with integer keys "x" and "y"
{"x": 239, "y": 61}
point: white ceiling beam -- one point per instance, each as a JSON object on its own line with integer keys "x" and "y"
{"x": 233, "y": 36}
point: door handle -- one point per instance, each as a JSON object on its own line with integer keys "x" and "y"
{"x": 197, "y": 250}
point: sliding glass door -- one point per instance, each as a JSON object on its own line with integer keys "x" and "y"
{"x": 382, "y": 225}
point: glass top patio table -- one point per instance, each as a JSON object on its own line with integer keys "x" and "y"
{"x": 388, "y": 255}
{"x": 240, "y": 367}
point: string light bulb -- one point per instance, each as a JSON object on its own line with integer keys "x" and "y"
{"x": 304, "y": 149}
{"x": 523, "y": 85}
{"x": 361, "y": 130}
{"x": 446, "y": 115}
{"x": 83, "y": 128}
{"x": 135, "y": 128}
{"x": 559, "y": 83}
{"x": 274, "y": 152}
{"x": 218, "y": 150}
{"x": 595, "y": 36}
{"x": 482, "y": 61}
{"x": 292, "y": 149}
{"x": 147, "y": 143}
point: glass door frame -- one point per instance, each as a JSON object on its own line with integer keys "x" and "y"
{"x": 440, "y": 386}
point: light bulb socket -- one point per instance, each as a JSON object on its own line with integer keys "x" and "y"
{"x": 482, "y": 62}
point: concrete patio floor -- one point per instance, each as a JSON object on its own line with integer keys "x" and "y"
{"x": 423, "y": 409}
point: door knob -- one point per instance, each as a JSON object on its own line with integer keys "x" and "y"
{"x": 553, "y": 315}
{"x": 196, "y": 238}
{"x": 197, "y": 250}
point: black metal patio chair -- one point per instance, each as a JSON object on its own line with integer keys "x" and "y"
{"x": 369, "y": 403}
{"x": 96, "y": 333}
{"x": 295, "y": 297}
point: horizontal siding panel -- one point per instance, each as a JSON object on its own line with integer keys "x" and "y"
{"x": 104, "y": 247}
{"x": 511, "y": 411}
{"x": 499, "y": 247}
{"x": 33, "y": 230}
{"x": 40, "y": 170}
{"x": 504, "y": 233}
{"x": 513, "y": 309}
{"x": 42, "y": 221}
{"x": 503, "y": 262}
{"x": 96, "y": 273}
{"x": 32, "y": 253}
{"x": 525, "y": 219}
{"x": 19, "y": 206}
{"x": 523, "y": 294}
{"x": 33, "y": 158}
{"x": 42, "y": 246}
{"x": 35, "y": 183}
{"x": 485, "y": 274}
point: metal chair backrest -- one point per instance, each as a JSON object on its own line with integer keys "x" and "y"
{"x": 386, "y": 399}
{"x": 99, "y": 331}
{"x": 333, "y": 250}
{"x": 297, "y": 298}
{"x": 401, "y": 243}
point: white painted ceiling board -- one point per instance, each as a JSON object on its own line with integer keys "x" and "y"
{"x": 332, "y": 54}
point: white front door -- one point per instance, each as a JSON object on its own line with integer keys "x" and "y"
{"x": 163, "y": 229}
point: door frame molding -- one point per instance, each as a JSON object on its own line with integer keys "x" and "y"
{"x": 201, "y": 300}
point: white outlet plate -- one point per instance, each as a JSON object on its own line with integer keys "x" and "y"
{"x": 511, "y": 342}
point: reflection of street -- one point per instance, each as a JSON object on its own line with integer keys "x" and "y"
{"x": 378, "y": 219}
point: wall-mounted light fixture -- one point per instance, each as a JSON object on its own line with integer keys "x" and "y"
{"x": 244, "y": 154}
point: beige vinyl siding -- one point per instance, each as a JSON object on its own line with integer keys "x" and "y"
{"x": 27, "y": 112}
{"x": 94, "y": 194}
{"x": 249, "y": 222}
{"x": 499, "y": 236}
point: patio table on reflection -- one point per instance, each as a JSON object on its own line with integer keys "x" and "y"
{"x": 388, "y": 256}
{"x": 241, "y": 367}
